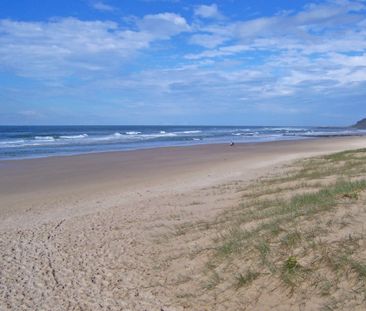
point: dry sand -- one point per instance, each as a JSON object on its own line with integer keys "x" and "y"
{"x": 99, "y": 231}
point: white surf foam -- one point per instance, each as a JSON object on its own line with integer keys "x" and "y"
{"x": 158, "y": 135}
{"x": 189, "y": 132}
{"x": 44, "y": 138}
{"x": 332, "y": 133}
{"x": 74, "y": 136}
{"x": 12, "y": 143}
{"x": 131, "y": 133}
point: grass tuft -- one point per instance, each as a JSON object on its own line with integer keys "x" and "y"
{"x": 291, "y": 264}
{"x": 292, "y": 239}
{"x": 247, "y": 278}
{"x": 359, "y": 268}
{"x": 263, "y": 249}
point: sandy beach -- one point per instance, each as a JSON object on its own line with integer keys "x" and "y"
{"x": 98, "y": 231}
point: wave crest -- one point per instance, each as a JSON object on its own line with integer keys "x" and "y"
{"x": 44, "y": 138}
{"x": 74, "y": 136}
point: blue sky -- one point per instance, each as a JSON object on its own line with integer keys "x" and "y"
{"x": 182, "y": 62}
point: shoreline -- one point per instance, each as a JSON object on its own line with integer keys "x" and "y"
{"x": 180, "y": 144}
{"x": 149, "y": 148}
{"x": 63, "y": 155}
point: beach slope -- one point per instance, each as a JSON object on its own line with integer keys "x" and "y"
{"x": 134, "y": 230}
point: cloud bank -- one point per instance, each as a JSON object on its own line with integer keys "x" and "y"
{"x": 178, "y": 62}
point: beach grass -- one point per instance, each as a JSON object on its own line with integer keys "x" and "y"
{"x": 298, "y": 231}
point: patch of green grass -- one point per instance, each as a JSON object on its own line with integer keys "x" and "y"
{"x": 351, "y": 195}
{"x": 321, "y": 167}
{"x": 292, "y": 239}
{"x": 359, "y": 267}
{"x": 291, "y": 271}
{"x": 274, "y": 227}
{"x": 233, "y": 241}
{"x": 247, "y": 278}
{"x": 325, "y": 287}
{"x": 269, "y": 189}
{"x": 337, "y": 157}
{"x": 346, "y": 187}
{"x": 291, "y": 264}
{"x": 264, "y": 249}
{"x": 213, "y": 280}
{"x": 341, "y": 257}
{"x": 344, "y": 155}
{"x": 340, "y": 262}
{"x": 306, "y": 204}
{"x": 327, "y": 196}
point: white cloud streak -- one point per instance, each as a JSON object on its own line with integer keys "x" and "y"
{"x": 318, "y": 50}
{"x": 101, "y": 6}
{"x": 67, "y": 46}
{"x": 321, "y": 47}
{"x": 207, "y": 11}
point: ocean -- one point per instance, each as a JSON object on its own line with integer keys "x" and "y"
{"x": 18, "y": 142}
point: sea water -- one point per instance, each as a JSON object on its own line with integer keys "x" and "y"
{"x": 18, "y": 142}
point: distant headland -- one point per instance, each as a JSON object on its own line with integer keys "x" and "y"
{"x": 360, "y": 124}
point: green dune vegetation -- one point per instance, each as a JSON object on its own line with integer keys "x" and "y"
{"x": 296, "y": 237}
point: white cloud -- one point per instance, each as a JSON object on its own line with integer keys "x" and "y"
{"x": 62, "y": 47}
{"x": 348, "y": 60}
{"x": 207, "y": 41}
{"x": 318, "y": 48}
{"x": 163, "y": 25}
{"x": 207, "y": 11}
{"x": 316, "y": 51}
{"x": 306, "y": 24}
{"x": 327, "y": 13}
{"x": 101, "y": 6}
{"x": 222, "y": 51}
{"x": 311, "y": 25}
